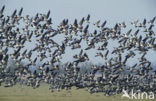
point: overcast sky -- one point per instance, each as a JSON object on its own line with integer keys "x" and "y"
{"x": 111, "y": 10}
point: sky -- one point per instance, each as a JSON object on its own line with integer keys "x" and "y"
{"x": 111, "y": 10}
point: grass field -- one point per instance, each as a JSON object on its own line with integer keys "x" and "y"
{"x": 24, "y": 93}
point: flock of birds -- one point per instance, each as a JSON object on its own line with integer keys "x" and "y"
{"x": 18, "y": 34}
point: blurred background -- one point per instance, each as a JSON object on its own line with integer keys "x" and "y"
{"x": 113, "y": 11}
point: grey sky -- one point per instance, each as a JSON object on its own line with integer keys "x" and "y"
{"x": 111, "y": 10}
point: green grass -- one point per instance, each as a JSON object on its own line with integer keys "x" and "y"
{"x": 24, "y": 93}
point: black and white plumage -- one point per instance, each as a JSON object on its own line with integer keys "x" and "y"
{"x": 17, "y": 44}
